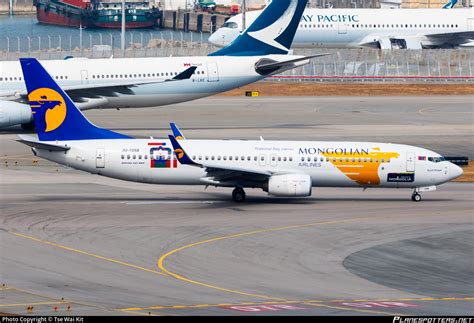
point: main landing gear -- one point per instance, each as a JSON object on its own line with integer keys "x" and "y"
{"x": 238, "y": 194}
{"x": 416, "y": 197}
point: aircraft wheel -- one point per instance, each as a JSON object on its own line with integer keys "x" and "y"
{"x": 238, "y": 194}
{"x": 416, "y": 197}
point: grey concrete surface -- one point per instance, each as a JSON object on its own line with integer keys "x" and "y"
{"x": 104, "y": 246}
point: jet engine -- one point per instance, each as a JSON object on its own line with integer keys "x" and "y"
{"x": 14, "y": 113}
{"x": 289, "y": 185}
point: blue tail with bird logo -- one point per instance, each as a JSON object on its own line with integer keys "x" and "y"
{"x": 271, "y": 33}
{"x": 55, "y": 115}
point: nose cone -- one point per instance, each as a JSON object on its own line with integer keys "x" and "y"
{"x": 217, "y": 38}
{"x": 455, "y": 171}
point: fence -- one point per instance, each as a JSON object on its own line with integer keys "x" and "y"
{"x": 340, "y": 65}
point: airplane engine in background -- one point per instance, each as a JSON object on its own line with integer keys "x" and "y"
{"x": 13, "y": 113}
{"x": 289, "y": 185}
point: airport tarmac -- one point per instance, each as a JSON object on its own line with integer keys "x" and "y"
{"x": 75, "y": 243}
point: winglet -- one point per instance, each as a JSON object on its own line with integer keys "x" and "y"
{"x": 176, "y": 132}
{"x": 184, "y": 75}
{"x": 179, "y": 152}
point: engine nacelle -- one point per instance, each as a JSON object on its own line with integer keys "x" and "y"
{"x": 290, "y": 185}
{"x": 14, "y": 113}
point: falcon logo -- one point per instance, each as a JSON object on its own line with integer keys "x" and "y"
{"x": 268, "y": 34}
{"x": 179, "y": 153}
{"x": 49, "y": 103}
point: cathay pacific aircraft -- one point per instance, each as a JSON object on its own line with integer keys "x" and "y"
{"x": 144, "y": 82}
{"x": 281, "y": 168}
{"x": 378, "y": 28}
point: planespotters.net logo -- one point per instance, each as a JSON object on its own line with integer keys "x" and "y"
{"x": 398, "y": 319}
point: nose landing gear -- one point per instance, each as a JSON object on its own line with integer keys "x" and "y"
{"x": 416, "y": 197}
{"x": 238, "y": 194}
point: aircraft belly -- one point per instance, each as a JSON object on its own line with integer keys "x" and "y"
{"x": 164, "y": 94}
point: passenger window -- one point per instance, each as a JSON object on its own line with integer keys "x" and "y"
{"x": 308, "y": 159}
{"x": 128, "y": 156}
{"x": 302, "y": 158}
{"x": 284, "y": 159}
{"x": 212, "y": 157}
{"x": 383, "y": 160}
{"x": 145, "y": 156}
{"x": 206, "y": 158}
{"x": 291, "y": 159}
{"x": 123, "y": 157}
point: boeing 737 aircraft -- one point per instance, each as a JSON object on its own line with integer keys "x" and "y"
{"x": 281, "y": 168}
{"x": 378, "y": 28}
{"x": 144, "y": 82}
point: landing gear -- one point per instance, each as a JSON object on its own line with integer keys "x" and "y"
{"x": 416, "y": 197}
{"x": 238, "y": 194}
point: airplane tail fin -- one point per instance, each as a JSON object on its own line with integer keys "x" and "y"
{"x": 271, "y": 33}
{"x": 55, "y": 115}
{"x": 450, "y": 4}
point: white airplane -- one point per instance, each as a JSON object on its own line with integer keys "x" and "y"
{"x": 281, "y": 168}
{"x": 145, "y": 82}
{"x": 378, "y": 28}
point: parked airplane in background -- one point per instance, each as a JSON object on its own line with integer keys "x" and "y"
{"x": 281, "y": 168}
{"x": 378, "y": 28}
{"x": 144, "y": 82}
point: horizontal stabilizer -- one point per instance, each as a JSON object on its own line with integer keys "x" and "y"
{"x": 33, "y": 142}
{"x": 267, "y": 66}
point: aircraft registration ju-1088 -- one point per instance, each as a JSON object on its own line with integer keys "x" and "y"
{"x": 147, "y": 82}
{"x": 281, "y": 168}
{"x": 377, "y": 28}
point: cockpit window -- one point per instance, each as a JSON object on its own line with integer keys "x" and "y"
{"x": 230, "y": 24}
{"x": 436, "y": 159}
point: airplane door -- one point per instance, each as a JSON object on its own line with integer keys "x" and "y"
{"x": 100, "y": 158}
{"x": 84, "y": 77}
{"x": 212, "y": 72}
{"x": 470, "y": 24}
{"x": 410, "y": 162}
{"x": 341, "y": 27}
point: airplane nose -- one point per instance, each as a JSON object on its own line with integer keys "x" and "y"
{"x": 215, "y": 38}
{"x": 455, "y": 171}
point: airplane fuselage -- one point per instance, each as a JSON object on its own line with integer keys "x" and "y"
{"x": 213, "y": 75}
{"x": 336, "y": 164}
{"x": 354, "y": 28}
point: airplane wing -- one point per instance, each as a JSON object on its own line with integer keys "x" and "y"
{"x": 418, "y": 41}
{"x": 35, "y": 143}
{"x": 94, "y": 95}
{"x": 218, "y": 174}
{"x": 453, "y": 39}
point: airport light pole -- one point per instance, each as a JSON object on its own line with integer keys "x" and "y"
{"x": 244, "y": 9}
{"x": 123, "y": 28}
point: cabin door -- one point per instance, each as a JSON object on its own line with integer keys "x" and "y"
{"x": 100, "y": 158}
{"x": 341, "y": 27}
{"x": 410, "y": 162}
{"x": 212, "y": 72}
{"x": 84, "y": 77}
{"x": 470, "y": 24}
